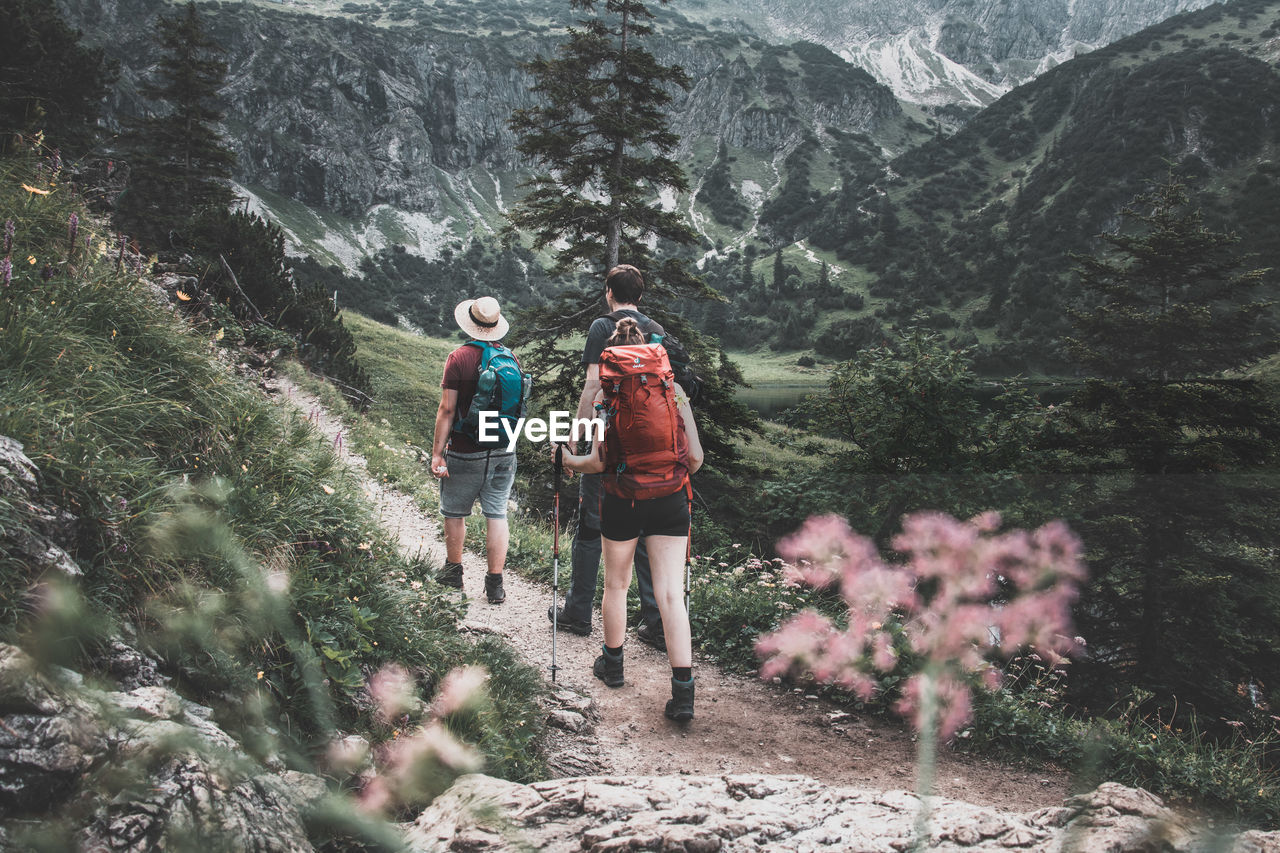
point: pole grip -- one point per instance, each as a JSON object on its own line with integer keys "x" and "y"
{"x": 559, "y": 466}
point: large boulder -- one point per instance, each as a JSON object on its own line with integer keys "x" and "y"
{"x": 787, "y": 813}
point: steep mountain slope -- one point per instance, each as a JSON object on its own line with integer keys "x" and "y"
{"x": 986, "y": 219}
{"x": 947, "y": 51}
{"x": 358, "y": 130}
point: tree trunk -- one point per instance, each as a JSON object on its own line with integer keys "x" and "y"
{"x": 613, "y": 241}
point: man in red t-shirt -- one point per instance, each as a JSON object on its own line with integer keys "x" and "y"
{"x": 467, "y": 471}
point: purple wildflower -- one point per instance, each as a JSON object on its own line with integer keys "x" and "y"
{"x": 9, "y": 230}
{"x": 47, "y": 272}
{"x": 6, "y": 271}
{"x": 55, "y": 161}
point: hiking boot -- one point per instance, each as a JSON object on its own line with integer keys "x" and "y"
{"x": 493, "y": 588}
{"x": 573, "y": 626}
{"x": 450, "y": 575}
{"x": 652, "y": 636}
{"x": 680, "y": 705}
{"x": 608, "y": 669}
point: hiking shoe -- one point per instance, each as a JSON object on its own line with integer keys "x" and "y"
{"x": 680, "y": 705}
{"x": 450, "y": 575}
{"x": 493, "y": 588}
{"x": 573, "y": 626}
{"x": 608, "y": 669}
{"x": 652, "y": 636}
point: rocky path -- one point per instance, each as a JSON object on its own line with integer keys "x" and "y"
{"x": 741, "y": 724}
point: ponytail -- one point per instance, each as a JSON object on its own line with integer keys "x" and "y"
{"x": 625, "y": 333}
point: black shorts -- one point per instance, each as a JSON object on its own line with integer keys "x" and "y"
{"x": 622, "y": 519}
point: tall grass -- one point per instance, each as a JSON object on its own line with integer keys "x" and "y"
{"x": 132, "y": 419}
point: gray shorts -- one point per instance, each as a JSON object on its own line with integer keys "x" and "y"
{"x": 486, "y": 475}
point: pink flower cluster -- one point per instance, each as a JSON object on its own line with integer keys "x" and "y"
{"x": 963, "y": 593}
{"x": 413, "y": 767}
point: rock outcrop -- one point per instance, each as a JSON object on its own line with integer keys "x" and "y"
{"x": 137, "y": 769}
{"x": 34, "y": 532}
{"x": 345, "y": 116}
{"x": 144, "y": 769}
{"x": 788, "y": 813}
{"x": 948, "y": 51}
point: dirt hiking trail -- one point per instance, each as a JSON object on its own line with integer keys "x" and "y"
{"x": 741, "y": 725}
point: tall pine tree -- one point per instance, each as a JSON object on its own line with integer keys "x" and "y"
{"x": 603, "y": 142}
{"x": 178, "y": 162}
{"x": 1184, "y": 600}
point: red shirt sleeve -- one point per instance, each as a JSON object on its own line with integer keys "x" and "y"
{"x": 453, "y": 371}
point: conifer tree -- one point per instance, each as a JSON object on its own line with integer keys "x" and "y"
{"x": 179, "y": 164}
{"x": 48, "y": 80}
{"x": 1182, "y": 597}
{"x": 603, "y": 142}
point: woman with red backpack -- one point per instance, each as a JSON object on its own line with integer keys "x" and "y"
{"x": 650, "y": 448}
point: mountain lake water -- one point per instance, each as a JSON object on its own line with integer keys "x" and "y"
{"x": 769, "y": 399}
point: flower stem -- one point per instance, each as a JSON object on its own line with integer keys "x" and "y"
{"x": 926, "y": 756}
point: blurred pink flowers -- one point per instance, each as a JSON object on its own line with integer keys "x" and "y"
{"x": 462, "y": 688}
{"x": 393, "y": 691}
{"x": 963, "y": 594}
{"x": 412, "y": 769}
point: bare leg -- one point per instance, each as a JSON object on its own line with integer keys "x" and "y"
{"x": 497, "y": 538}
{"x": 617, "y": 579}
{"x": 455, "y": 532}
{"x": 666, "y": 560}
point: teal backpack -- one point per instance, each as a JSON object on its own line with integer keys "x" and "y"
{"x": 500, "y": 387}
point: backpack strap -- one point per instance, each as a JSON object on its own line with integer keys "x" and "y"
{"x": 650, "y": 326}
{"x": 488, "y": 349}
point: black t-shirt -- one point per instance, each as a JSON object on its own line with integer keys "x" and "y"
{"x": 600, "y": 332}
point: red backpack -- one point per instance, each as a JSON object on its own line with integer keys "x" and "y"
{"x": 646, "y": 453}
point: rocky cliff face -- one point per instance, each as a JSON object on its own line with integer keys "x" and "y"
{"x": 362, "y": 125}
{"x": 943, "y": 51}
{"x": 402, "y": 129}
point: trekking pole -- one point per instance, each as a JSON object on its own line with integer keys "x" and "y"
{"x": 688, "y": 561}
{"x": 555, "y": 565}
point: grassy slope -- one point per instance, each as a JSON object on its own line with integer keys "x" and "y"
{"x": 119, "y": 404}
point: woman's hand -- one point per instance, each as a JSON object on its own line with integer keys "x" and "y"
{"x": 591, "y": 462}
{"x": 558, "y": 453}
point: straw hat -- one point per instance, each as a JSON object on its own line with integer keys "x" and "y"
{"x": 481, "y": 319}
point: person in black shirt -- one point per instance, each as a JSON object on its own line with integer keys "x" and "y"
{"x": 623, "y": 287}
